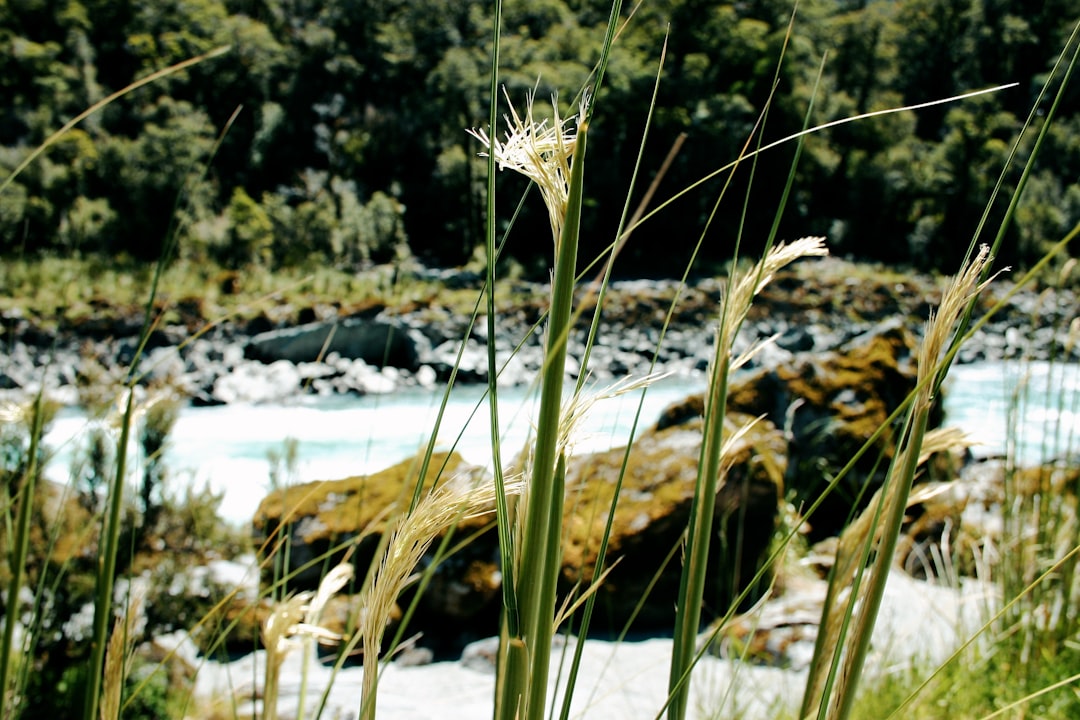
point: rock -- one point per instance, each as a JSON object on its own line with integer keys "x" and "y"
{"x": 376, "y": 342}
{"x": 653, "y": 512}
{"x": 919, "y": 622}
{"x": 252, "y": 382}
{"x": 462, "y": 600}
{"x": 325, "y": 520}
{"x": 829, "y": 404}
{"x": 780, "y": 633}
{"x": 481, "y": 655}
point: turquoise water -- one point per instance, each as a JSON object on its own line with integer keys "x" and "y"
{"x": 1039, "y": 399}
{"x": 226, "y": 447}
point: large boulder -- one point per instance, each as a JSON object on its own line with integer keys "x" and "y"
{"x": 376, "y": 341}
{"x": 319, "y": 524}
{"x": 653, "y": 512}
{"x": 829, "y": 404}
{"x": 324, "y": 520}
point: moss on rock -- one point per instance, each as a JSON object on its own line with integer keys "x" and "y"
{"x": 325, "y": 519}
{"x": 653, "y": 512}
{"x": 829, "y": 404}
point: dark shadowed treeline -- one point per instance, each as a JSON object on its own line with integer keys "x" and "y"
{"x": 349, "y": 144}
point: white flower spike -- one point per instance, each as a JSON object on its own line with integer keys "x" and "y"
{"x": 540, "y": 152}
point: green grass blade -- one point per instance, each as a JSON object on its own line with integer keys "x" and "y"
{"x": 151, "y": 78}
{"x": 605, "y": 539}
{"x": 21, "y": 544}
{"x": 544, "y": 503}
{"x": 502, "y": 507}
{"x": 107, "y": 554}
{"x": 1028, "y": 165}
{"x": 700, "y": 529}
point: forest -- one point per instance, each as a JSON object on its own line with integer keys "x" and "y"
{"x": 333, "y": 132}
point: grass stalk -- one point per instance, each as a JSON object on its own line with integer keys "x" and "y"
{"x": 735, "y": 306}
{"x": 109, "y": 548}
{"x": 21, "y": 546}
{"x": 604, "y": 283}
{"x": 510, "y": 671}
{"x": 110, "y": 533}
{"x": 836, "y": 669}
{"x": 541, "y": 538}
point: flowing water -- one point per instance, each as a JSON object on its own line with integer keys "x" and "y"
{"x": 226, "y": 448}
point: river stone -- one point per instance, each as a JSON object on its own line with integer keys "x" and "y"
{"x": 376, "y": 342}
{"x": 653, "y": 512}
{"x": 325, "y": 520}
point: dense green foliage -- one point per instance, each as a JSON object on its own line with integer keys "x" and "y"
{"x": 349, "y": 145}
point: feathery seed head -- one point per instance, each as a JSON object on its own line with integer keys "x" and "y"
{"x": 298, "y": 616}
{"x": 578, "y": 406}
{"x": 742, "y": 287}
{"x": 410, "y": 536}
{"x": 954, "y": 301}
{"x": 541, "y": 151}
{"x": 13, "y": 413}
{"x": 280, "y": 629}
{"x": 329, "y": 586}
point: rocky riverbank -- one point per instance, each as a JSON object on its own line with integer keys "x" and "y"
{"x": 845, "y": 338}
{"x": 364, "y": 349}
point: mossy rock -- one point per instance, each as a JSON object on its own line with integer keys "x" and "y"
{"x": 324, "y": 519}
{"x": 462, "y": 600}
{"x": 653, "y": 512}
{"x": 830, "y": 404}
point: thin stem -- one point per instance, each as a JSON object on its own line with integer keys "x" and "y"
{"x": 544, "y": 504}
{"x": 110, "y": 548}
{"x": 22, "y": 543}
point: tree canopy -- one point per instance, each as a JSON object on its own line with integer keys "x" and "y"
{"x": 333, "y": 131}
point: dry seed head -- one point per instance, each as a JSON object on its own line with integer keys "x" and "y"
{"x": 578, "y": 406}
{"x": 954, "y": 302}
{"x": 12, "y": 413}
{"x": 1074, "y": 334}
{"x": 117, "y": 653}
{"x": 742, "y": 287}
{"x": 299, "y": 616}
{"x": 942, "y": 439}
{"x": 1066, "y": 272}
{"x": 144, "y": 402}
{"x": 410, "y": 536}
{"x": 281, "y": 627}
{"x": 451, "y": 502}
{"x": 745, "y": 286}
{"x": 541, "y": 151}
{"x": 329, "y": 586}
{"x": 733, "y": 443}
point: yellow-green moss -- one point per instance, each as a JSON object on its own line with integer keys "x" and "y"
{"x": 653, "y": 511}
{"x": 354, "y": 504}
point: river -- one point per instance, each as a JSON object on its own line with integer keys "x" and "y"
{"x": 227, "y": 447}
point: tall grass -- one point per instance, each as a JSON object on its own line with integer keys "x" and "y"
{"x": 551, "y": 152}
